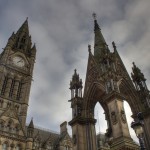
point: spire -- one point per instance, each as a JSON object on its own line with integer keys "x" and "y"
{"x": 31, "y": 125}
{"x": 76, "y": 85}
{"x": 100, "y": 46}
{"x": 30, "y": 129}
{"x": 138, "y": 78}
{"x": 21, "y": 40}
{"x": 24, "y": 27}
{"x": 140, "y": 85}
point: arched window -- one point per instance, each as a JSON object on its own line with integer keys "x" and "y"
{"x": 10, "y": 124}
{"x": 12, "y": 88}
{"x": 19, "y": 91}
{"x": 66, "y": 147}
{"x": 23, "y": 40}
{"x": 4, "y": 86}
{"x": 5, "y": 146}
{"x": 1, "y": 103}
{"x": 12, "y": 146}
{"x": 18, "y": 147}
{"x": 1, "y": 124}
{"x": 49, "y": 146}
{"x": 16, "y": 129}
{"x": 36, "y": 144}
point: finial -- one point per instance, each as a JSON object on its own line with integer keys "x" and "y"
{"x": 133, "y": 64}
{"x": 114, "y": 45}
{"x": 27, "y": 18}
{"x": 89, "y": 48}
{"x": 75, "y": 71}
{"x": 94, "y": 16}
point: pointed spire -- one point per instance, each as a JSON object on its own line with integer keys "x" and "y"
{"x": 100, "y": 46}
{"x": 31, "y": 125}
{"x": 22, "y": 39}
{"x": 30, "y": 129}
{"x": 24, "y": 27}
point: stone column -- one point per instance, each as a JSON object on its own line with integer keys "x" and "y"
{"x": 120, "y": 131}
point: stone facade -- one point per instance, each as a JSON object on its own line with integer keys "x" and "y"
{"x": 16, "y": 68}
{"x": 107, "y": 82}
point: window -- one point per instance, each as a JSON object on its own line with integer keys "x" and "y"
{"x": 1, "y": 124}
{"x": 1, "y": 103}
{"x": 66, "y": 147}
{"x": 19, "y": 91}
{"x": 4, "y": 85}
{"x": 10, "y": 124}
{"x": 5, "y": 146}
{"x": 49, "y": 147}
{"x": 11, "y": 88}
{"x": 18, "y": 147}
{"x": 23, "y": 39}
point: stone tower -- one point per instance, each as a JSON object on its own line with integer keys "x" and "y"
{"x": 108, "y": 83}
{"x": 16, "y": 68}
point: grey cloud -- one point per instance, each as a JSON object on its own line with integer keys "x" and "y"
{"x": 62, "y": 30}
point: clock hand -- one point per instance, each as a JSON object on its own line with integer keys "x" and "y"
{"x": 20, "y": 61}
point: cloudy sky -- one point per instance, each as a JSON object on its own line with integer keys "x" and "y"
{"x": 62, "y": 30}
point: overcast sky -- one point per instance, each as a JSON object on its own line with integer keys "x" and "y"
{"x": 62, "y": 30}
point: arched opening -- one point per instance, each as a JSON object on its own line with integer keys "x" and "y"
{"x": 100, "y": 126}
{"x": 128, "y": 113}
{"x": 5, "y": 146}
{"x": 99, "y": 115}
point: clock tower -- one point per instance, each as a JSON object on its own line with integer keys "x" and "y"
{"x": 16, "y": 68}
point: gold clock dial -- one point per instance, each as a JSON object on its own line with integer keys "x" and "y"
{"x": 18, "y": 61}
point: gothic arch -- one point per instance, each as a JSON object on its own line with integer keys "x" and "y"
{"x": 94, "y": 95}
{"x": 127, "y": 89}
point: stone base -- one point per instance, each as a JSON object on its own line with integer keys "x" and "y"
{"x": 123, "y": 143}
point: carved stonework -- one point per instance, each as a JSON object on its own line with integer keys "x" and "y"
{"x": 114, "y": 117}
{"x": 74, "y": 139}
{"x": 123, "y": 116}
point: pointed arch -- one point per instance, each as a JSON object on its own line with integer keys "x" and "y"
{"x": 99, "y": 115}
{"x": 5, "y": 145}
{"x": 127, "y": 89}
{"x": 94, "y": 95}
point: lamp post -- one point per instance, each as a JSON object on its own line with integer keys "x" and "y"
{"x": 138, "y": 128}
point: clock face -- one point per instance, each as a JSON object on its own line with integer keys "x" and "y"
{"x": 18, "y": 61}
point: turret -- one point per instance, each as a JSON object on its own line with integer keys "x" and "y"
{"x": 100, "y": 45}
{"x": 138, "y": 78}
{"x": 63, "y": 128}
{"x": 76, "y": 85}
{"x": 140, "y": 85}
{"x": 76, "y": 94}
{"x": 30, "y": 129}
{"x": 30, "y": 132}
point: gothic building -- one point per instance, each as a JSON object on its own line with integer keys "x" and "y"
{"x": 16, "y": 68}
{"x": 107, "y": 82}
